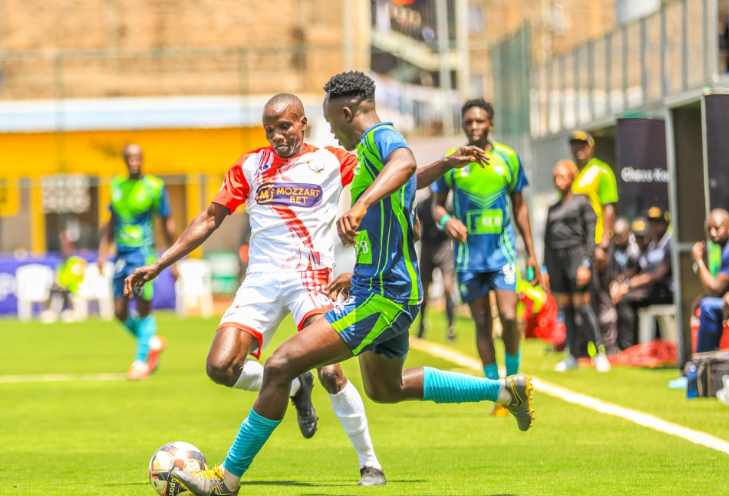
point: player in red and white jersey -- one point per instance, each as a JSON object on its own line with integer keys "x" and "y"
{"x": 291, "y": 192}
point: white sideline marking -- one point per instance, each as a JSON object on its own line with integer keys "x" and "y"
{"x": 14, "y": 379}
{"x": 640, "y": 418}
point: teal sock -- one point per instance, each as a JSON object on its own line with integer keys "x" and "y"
{"x": 146, "y": 329}
{"x": 491, "y": 372}
{"x": 449, "y": 387}
{"x": 132, "y": 325}
{"x": 253, "y": 434}
{"x": 512, "y": 363}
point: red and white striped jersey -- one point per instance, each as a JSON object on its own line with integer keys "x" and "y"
{"x": 292, "y": 203}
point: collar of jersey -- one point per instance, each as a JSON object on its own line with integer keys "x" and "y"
{"x": 278, "y": 161}
{"x": 371, "y": 128}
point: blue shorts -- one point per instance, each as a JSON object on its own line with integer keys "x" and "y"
{"x": 475, "y": 285}
{"x": 125, "y": 264}
{"x": 371, "y": 322}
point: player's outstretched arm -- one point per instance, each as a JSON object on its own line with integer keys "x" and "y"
{"x": 192, "y": 237}
{"x": 465, "y": 155}
{"x": 398, "y": 170}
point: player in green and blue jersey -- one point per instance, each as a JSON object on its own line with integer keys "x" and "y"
{"x": 135, "y": 200}
{"x": 482, "y": 228}
{"x": 383, "y": 301}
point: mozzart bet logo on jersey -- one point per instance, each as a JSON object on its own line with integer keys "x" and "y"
{"x": 302, "y": 195}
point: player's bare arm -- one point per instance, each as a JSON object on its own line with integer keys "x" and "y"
{"x": 521, "y": 217}
{"x": 465, "y": 155}
{"x": 192, "y": 237}
{"x": 454, "y": 228}
{"x": 107, "y": 236}
{"x": 398, "y": 170}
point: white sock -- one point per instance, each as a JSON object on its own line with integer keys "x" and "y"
{"x": 295, "y": 385}
{"x": 251, "y": 378}
{"x": 504, "y": 394}
{"x": 232, "y": 482}
{"x": 350, "y": 411}
{"x": 155, "y": 343}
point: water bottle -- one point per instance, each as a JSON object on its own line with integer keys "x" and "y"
{"x": 692, "y": 390}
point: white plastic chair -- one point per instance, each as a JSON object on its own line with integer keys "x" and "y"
{"x": 95, "y": 287}
{"x": 666, "y": 317}
{"x": 34, "y": 283}
{"x": 194, "y": 285}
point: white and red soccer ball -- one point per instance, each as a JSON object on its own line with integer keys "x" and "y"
{"x": 184, "y": 456}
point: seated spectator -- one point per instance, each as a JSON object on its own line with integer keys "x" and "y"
{"x": 625, "y": 263}
{"x": 569, "y": 244}
{"x": 711, "y": 322}
{"x": 625, "y": 258}
{"x": 653, "y": 285}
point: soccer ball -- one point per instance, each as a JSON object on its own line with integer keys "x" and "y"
{"x": 184, "y": 456}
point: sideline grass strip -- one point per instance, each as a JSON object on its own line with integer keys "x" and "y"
{"x": 635, "y": 416}
{"x": 15, "y": 379}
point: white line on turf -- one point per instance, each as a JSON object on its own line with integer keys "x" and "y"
{"x": 640, "y": 418}
{"x": 14, "y": 379}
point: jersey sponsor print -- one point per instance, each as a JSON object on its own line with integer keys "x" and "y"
{"x": 292, "y": 203}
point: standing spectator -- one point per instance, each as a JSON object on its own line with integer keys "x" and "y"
{"x": 653, "y": 286}
{"x": 569, "y": 245}
{"x": 596, "y": 180}
{"x": 435, "y": 251}
{"x": 624, "y": 264}
{"x": 711, "y": 323}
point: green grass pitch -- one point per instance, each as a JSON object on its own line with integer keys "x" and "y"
{"x": 96, "y": 438}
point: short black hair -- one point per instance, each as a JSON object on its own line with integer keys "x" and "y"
{"x": 351, "y": 84}
{"x": 480, "y": 103}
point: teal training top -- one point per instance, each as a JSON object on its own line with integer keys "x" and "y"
{"x": 386, "y": 260}
{"x": 481, "y": 202}
{"x": 133, "y": 205}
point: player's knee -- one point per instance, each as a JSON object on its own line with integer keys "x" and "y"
{"x": 332, "y": 379}
{"x": 221, "y": 370}
{"x": 278, "y": 367}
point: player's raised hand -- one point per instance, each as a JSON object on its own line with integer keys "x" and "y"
{"x": 139, "y": 278}
{"x": 466, "y": 155}
{"x": 455, "y": 230}
{"x": 340, "y": 285}
{"x": 348, "y": 223}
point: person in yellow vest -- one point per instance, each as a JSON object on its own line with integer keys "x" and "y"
{"x": 596, "y": 180}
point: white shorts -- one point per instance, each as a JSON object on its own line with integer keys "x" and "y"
{"x": 264, "y": 299}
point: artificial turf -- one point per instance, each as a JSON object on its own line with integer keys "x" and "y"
{"x": 96, "y": 438}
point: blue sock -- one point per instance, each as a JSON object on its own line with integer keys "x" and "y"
{"x": 253, "y": 434}
{"x": 132, "y": 325}
{"x": 512, "y": 363}
{"x": 146, "y": 329}
{"x": 491, "y": 372}
{"x": 449, "y": 387}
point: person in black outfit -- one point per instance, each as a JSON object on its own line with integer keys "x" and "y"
{"x": 569, "y": 243}
{"x": 654, "y": 284}
{"x": 436, "y": 250}
{"x": 625, "y": 263}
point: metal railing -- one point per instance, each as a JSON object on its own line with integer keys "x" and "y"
{"x": 633, "y": 67}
